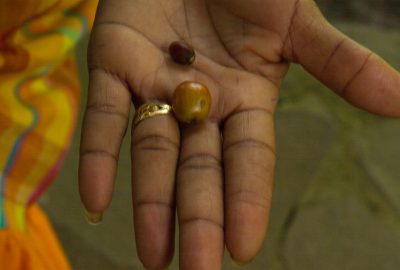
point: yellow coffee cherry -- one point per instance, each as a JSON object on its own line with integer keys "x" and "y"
{"x": 191, "y": 102}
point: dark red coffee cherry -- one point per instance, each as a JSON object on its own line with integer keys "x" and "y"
{"x": 182, "y": 53}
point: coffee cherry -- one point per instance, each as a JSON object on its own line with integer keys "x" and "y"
{"x": 181, "y": 53}
{"x": 191, "y": 102}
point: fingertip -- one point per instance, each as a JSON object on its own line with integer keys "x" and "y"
{"x": 237, "y": 263}
{"x": 201, "y": 245}
{"x": 154, "y": 231}
{"x": 376, "y": 88}
{"x": 245, "y": 233}
{"x": 96, "y": 182}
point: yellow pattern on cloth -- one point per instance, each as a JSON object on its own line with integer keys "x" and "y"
{"x": 39, "y": 101}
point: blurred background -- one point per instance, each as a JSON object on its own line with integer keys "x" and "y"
{"x": 336, "y": 201}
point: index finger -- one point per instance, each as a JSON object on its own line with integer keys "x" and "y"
{"x": 104, "y": 126}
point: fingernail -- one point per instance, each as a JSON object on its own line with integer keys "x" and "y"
{"x": 93, "y": 218}
{"x": 237, "y": 263}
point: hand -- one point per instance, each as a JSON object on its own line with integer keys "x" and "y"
{"x": 220, "y": 185}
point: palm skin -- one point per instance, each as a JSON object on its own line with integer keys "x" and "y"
{"x": 220, "y": 185}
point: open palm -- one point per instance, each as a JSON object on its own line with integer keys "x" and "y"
{"x": 217, "y": 174}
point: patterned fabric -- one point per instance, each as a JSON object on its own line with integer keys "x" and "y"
{"x": 39, "y": 96}
{"x": 35, "y": 249}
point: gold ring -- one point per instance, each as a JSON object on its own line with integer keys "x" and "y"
{"x": 150, "y": 109}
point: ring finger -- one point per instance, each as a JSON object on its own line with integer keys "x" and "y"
{"x": 155, "y": 148}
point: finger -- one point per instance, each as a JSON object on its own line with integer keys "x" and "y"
{"x": 155, "y": 144}
{"x": 352, "y": 71}
{"x": 249, "y": 160}
{"x": 104, "y": 126}
{"x": 200, "y": 198}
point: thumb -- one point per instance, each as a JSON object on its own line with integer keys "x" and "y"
{"x": 352, "y": 71}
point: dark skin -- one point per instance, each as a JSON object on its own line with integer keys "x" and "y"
{"x": 220, "y": 185}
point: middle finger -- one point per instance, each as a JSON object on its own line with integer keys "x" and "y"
{"x": 200, "y": 198}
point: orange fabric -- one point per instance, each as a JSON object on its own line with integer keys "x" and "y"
{"x": 39, "y": 97}
{"x": 35, "y": 249}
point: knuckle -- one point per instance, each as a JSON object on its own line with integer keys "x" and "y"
{"x": 107, "y": 109}
{"x": 98, "y": 153}
{"x": 346, "y": 88}
{"x": 248, "y": 113}
{"x": 153, "y": 204}
{"x": 201, "y": 220}
{"x": 155, "y": 142}
{"x": 249, "y": 143}
{"x": 200, "y": 161}
{"x": 250, "y": 197}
